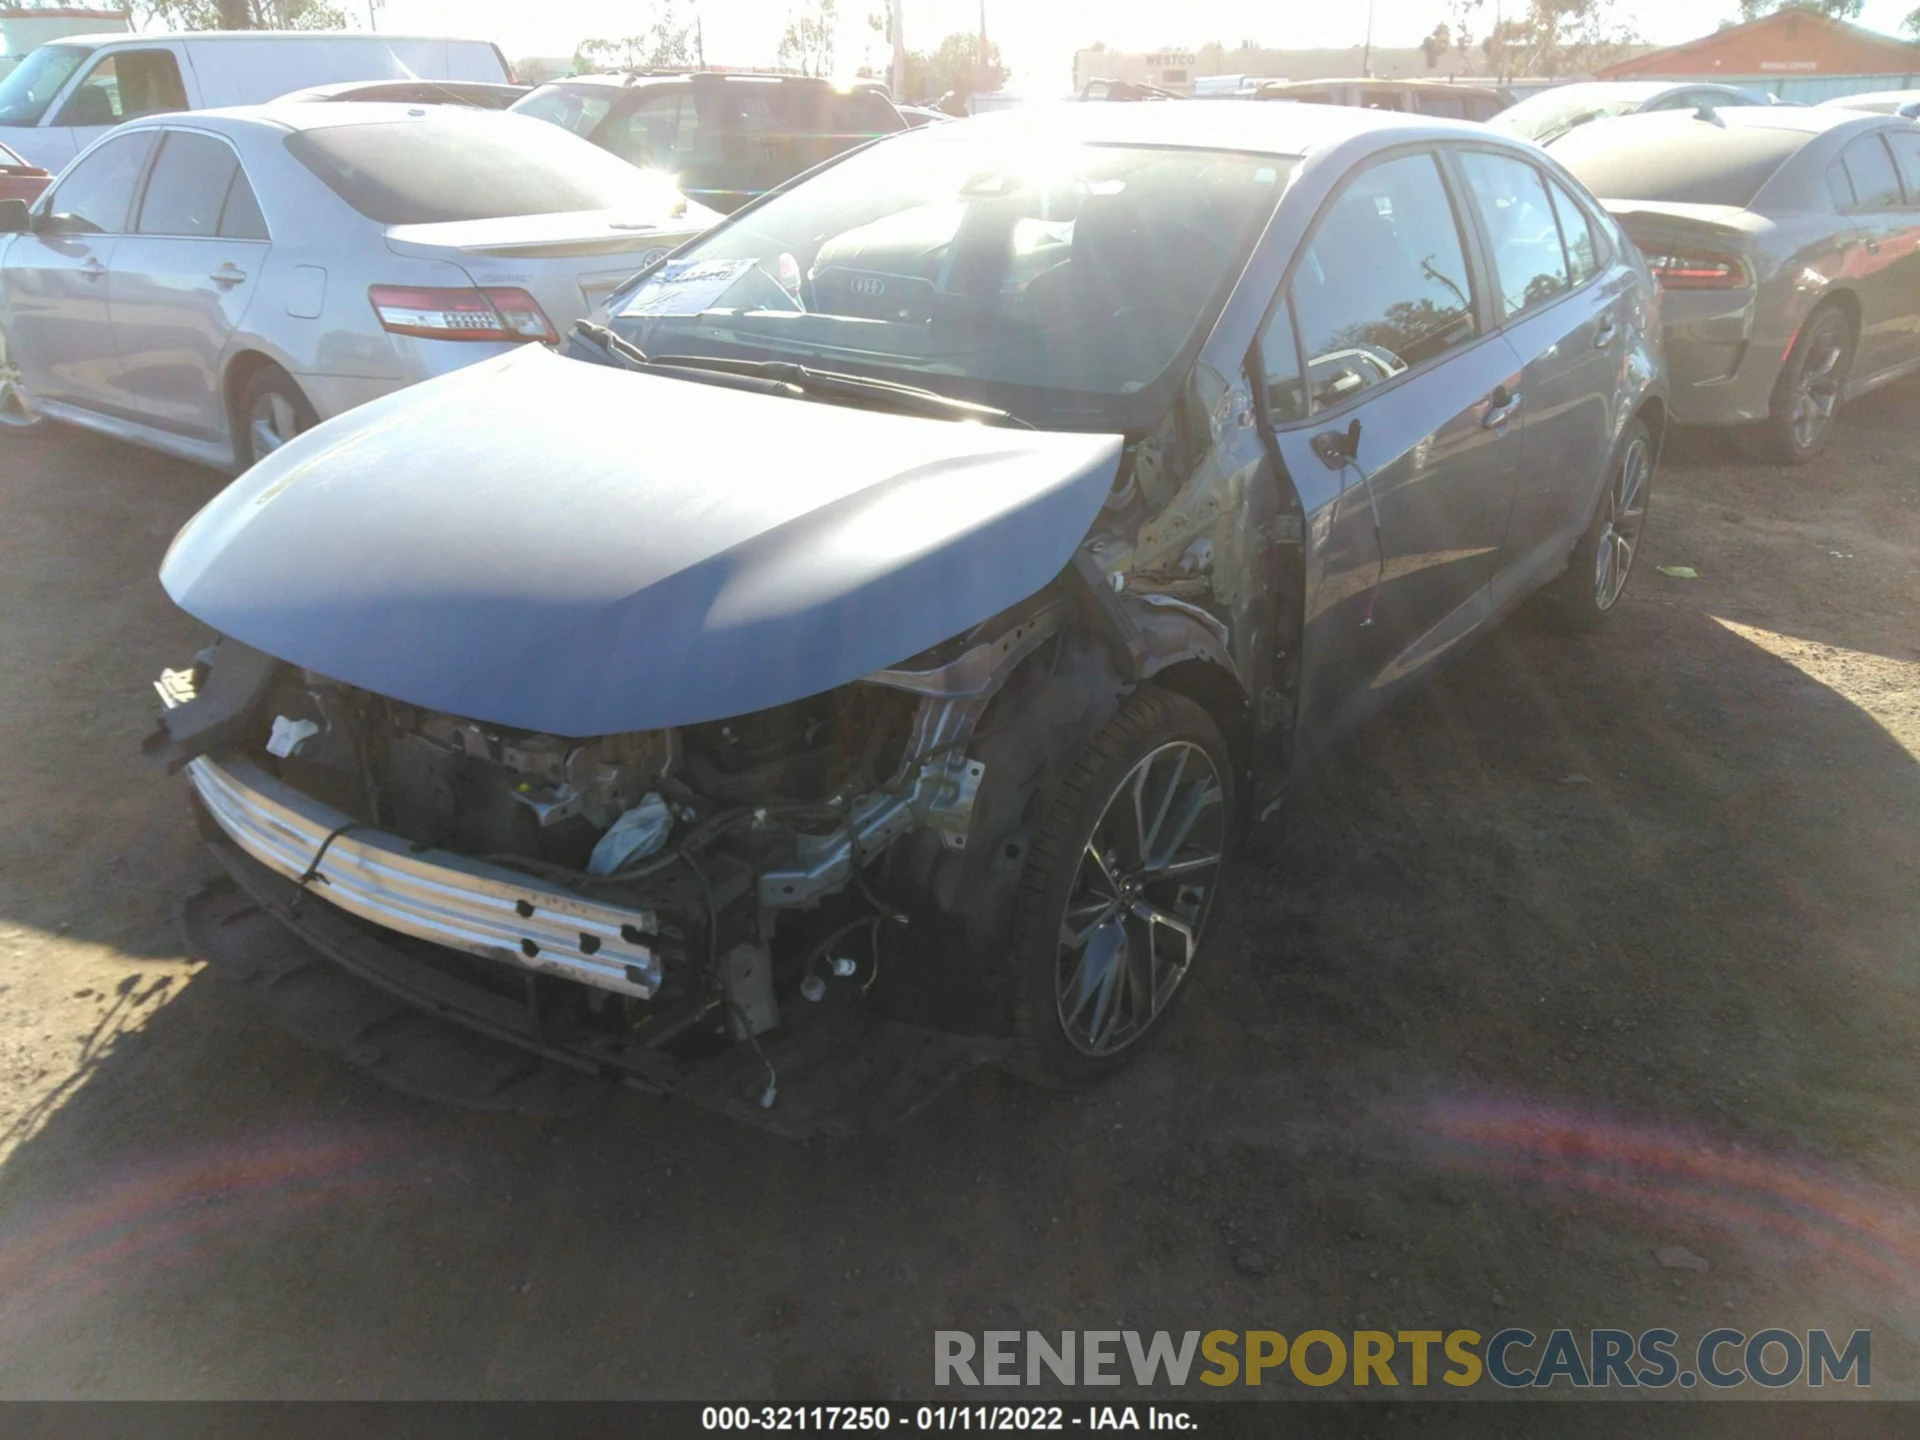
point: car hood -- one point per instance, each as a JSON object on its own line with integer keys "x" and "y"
{"x": 566, "y": 547}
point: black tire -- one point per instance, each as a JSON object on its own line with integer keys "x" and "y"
{"x": 1168, "y": 735}
{"x": 1585, "y": 594}
{"x": 272, "y": 400}
{"x": 1807, "y": 397}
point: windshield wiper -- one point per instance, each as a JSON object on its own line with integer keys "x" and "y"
{"x": 836, "y": 385}
{"x": 611, "y": 345}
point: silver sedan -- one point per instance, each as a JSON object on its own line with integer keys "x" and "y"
{"x": 212, "y": 284}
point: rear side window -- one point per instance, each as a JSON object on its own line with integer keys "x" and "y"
{"x": 240, "y": 218}
{"x": 1527, "y": 256}
{"x": 189, "y": 186}
{"x": 661, "y": 131}
{"x": 465, "y": 165}
{"x": 1876, "y": 185}
{"x": 126, "y": 84}
{"x": 1906, "y": 149}
{"x": 1677, "y": 161}
{"x": 1383, "y": 285}
{"x": 1583, "y": 249}
{"x": 97, "y": 194}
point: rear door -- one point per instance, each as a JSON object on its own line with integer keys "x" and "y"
{"x": 182, "y": 280}
{"x": 56, "y": 277}
{"x": 1569, "y": 332}
{"x": 1905, "y": 144}
{"x": 122, "y": 84}
{"x": 1392, "y": 341}
{"x": 1880, "y": 264}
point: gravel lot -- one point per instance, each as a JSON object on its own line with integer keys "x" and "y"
{"x": 1591, "y": 950}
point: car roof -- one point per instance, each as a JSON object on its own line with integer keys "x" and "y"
{"x": 1840, "y": 102}
{"x": 249, "y": 37}
{"x": 1372, "y": 82}
{"x": 1808, "y": 119}
{"x": 1266, "y": 129}
{"x": 620, "y": 79}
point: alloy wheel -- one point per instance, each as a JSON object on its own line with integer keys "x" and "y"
{"x": 1626, "y": 517}
{"x": 16, "y": 410}
{"x": 272, "y": 423}
{"x": 1140, "y": 898}
{"x": 1816, "y": 395}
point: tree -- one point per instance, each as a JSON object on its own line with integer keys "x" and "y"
{"x": 240, "y": 14}
{"x": 1912, "y": 24}
{"x": 1557, "y": 37}
{"x": 1436, "y": 44}
{"x": 1832, "y": 9}
{"x": 665, "y": 44}
{"x": 808, "y": 43}
{"x": 956, "y": 65}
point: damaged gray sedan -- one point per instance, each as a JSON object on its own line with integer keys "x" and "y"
{"x": 854, "y": 656}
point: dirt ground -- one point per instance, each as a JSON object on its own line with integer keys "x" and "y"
{"x": 1592, "y": 949}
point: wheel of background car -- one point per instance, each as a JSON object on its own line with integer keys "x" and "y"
{"x": 271, "y": 412}
{"x": 1603, "y": 561}
{"x": 16, "y": 409}
{"x": 1806, "y": 397}
{"x": 1119, "y": 883}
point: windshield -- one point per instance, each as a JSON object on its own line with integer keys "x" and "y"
{"x": 1032, "y": 277}
{"x": 469, "y": 166}
{"x": 30, "y": 88}
{"x": 1551, "y": 114}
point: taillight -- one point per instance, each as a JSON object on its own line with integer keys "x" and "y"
{"x": 1698, "y": 272}
{"x": 492, "y": 313}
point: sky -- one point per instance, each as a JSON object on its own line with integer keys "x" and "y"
{"x": 1037, "y": 38}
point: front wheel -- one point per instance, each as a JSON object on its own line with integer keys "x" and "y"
{"x": 1119, "y": 884}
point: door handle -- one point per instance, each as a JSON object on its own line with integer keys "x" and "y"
{"x": 1604, "y": 333}
{"x": 228, "y": 274}
{"x": 1501, "y": 405}
{"x": 93, "y": 269}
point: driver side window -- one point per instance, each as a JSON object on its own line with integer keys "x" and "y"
{"x": 1383, "y": 286}
{"x": 96, "y": 195}
{"x": 127, "y": 83}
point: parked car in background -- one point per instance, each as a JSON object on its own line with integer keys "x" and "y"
{"x": 1787, "y": 241}
{"x": 66, "y": 95}
{"x": 211, "y": 285}
{"x": 725, "y": 138}
{"x": 1547, "y": 115}
{"x": 480, "y": 94}
{"x": 1904, "y": 103}
{"x": 19, "y": 180}
{"x": 917, "y": 115}
{"x": 1440, "y": 98}
{"x": 1232, "y": 87}
{"x": 1125, "y": 91}
{"x": 927, "y": 571}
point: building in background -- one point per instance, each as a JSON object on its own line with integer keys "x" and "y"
{"x": 1795, "y": 54}
{"x": 22, "y": 29}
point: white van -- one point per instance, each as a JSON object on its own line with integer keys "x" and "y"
{"x": 68, "y": 93}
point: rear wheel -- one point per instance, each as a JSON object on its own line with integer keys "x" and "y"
{"x": 1602, "y": 562}
{"x": 16, "y": 409}
{"x": 272, "y": 411}
{"x": 1807, "y": 396}
{"x": 1118, "y": 888}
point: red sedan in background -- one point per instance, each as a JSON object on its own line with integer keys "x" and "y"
{"x": 19, "y": 180}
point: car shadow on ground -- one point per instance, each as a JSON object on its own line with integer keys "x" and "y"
{"x": 1593, "y": 948}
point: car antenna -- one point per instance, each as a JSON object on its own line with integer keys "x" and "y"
{"x": 1337, "y": 450}
{"x": 1707, "y": 113}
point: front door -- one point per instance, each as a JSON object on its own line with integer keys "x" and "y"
{"x": 56, "y": 278}
{"x": 182, "y": 280}
{"x": 121, "y": 86}
{"x": 1392, "y": 341}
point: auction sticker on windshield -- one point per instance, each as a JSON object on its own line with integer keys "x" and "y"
{"x": 686, "y": 287}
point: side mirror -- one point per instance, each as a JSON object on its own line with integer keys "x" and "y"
{"x": 14, "y": 217}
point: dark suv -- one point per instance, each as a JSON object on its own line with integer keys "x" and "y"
{"x": 729, "y": 138}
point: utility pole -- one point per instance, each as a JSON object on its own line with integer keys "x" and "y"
{"x": 897, "y": 33}
{"x": 1366, "y": 55}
